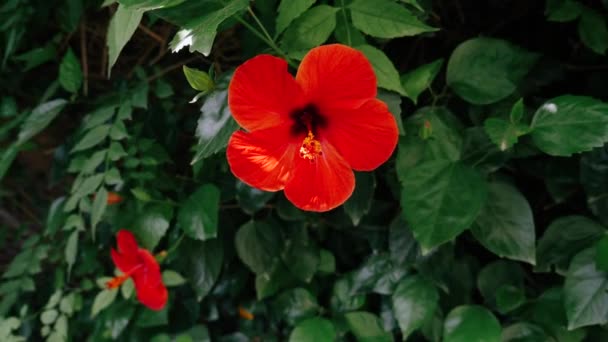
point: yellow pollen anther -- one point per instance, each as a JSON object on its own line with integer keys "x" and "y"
{"x": 311, "y": 148}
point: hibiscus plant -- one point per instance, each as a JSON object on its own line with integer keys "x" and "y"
{"x": 304, "y": 170}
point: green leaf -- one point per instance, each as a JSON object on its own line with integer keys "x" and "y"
{"x": 313, "y": 329}
{"x": 215, "y": 126}
{"x": 93, "y": 162}
{"x": 40, "y": 118}
{"x": 141, "y": 194}
{"x": 342, "y": 300}
{"x": 388, "y": 77}
{"x": 509, "y": 298}
{"x": 70, "y": 72}
{"x": 127, "y": 288}
{"x": 378, "y": 274}
{"x": 122, "y": 26}
{"x": 414, "y": 303}
{"x": 258, "y": 246}
{"x": 103, "y": 300}
{"x": 251, "y": 199}
{"x": 496, "y": 274}
{"x": 560, "y": 119}
{"x": 421, "y": 78}
{"x": 393, "y": 101}
{"x": 563, "y": 10}
{"x": 198, "y": 215}
{"x": 505, "y": 225}
{"x": 295, "y": 305}
{"x": 152, "y": 225}
{"x": 99, "y": 207}
{"x": 92, "y": 138}
{"x": 593, "y": 31}
{"x": 327, "y": 262}
{"x": 310, "y": 29}
{"x": 272, "y": 281}
{"x": 153, "y": 318}
{"x": 486, "y": 70}
{"x": 201, "y": 33}
{"x": 301, "y": 254}
{"x": 172, "y": 278}
{"x": 471, "y": 323}
{"x": 201, "y": 262}
{"x": 359, "y": 203}
{"x": 290, "y": 10}
{"x": 116, "y": 151}
{"x": 565, "y": 237}
{"x": 198, "y": 80}
{"x": 149, "y": 4}
{"x": 118, "y": 131}
{"x": 71, "y": 248}
{"x": 440, "y": 200}
{"x": 586, "y": 292}
{"x": 366, "y": 327}
{"x": 523, "y": 332}
{"x": 48, "y": 317}
{"x": 593, "y": 166}
{"x": 386, "y": 19}
{"x": 7, "y": 158}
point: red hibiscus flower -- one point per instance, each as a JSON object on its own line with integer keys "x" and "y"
{"x": 141, "y": 266}
{"x": 306, "y": 135}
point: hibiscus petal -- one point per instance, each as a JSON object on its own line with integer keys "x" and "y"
{"x": 126, "y": 242}
{"x": 336, "y": 76}
{"x": 262, "y": 159}
{"x": 149, "y": 274}
{"x": 125, "y": 263}
{"x": 365, "y": 137}
{"x": 154, "y": 297}
{"x": 323, "y": 184}
{"x": 262, "y": 93}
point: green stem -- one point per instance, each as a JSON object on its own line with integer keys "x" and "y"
{"x": 348, "y": 39}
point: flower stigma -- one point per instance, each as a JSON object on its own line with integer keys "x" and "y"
{"x": 311, "y": 148}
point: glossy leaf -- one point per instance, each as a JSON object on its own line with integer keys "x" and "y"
{"x": 201, "y": 263}
{"x": 258, "y": 245}
{"x": 198, "y": 215}
{"x": 366, "y": 327}
{"x": 310, "y": 29}
{"x": 414, "y": 302}
{"x": 387, "y": 75}
{"x": 471, "y": 323}
{"x": 361, "y": 200}
{"x": 386, "y": 19}
{"x": 289, "y": 10}
{"x": 313, "y": 329}
{"x": 151, "y": 226}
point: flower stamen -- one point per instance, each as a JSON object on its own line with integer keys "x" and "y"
{"x": 311, "y": 148}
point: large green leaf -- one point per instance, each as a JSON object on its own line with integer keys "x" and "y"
{"x": 586, "y": 292}
{"x": 440, "y": 200}
{"x": 200, "y": 33}
{"x": 122, "y": 26}
{"x": 313, "y": 329}
{"x": 310, "y": 29}
{"x": 201, "y": 262}
{"x": 565, "y": 237}
{"x": 505, "y": 225}
{"x": 593, "y": 170}
{"x": 414, "y": 303}
{"x": 198, "y": 215}
{"x": 290, "y": 10}
{"x": 471, "y": 323}
{"x": 387, "y": 75}
{"x": 419, "y": 79}
{"x": 593, "y": 31}
{"x": 361, "y": 200}
{"x": 258, "y": 246}
{"x": 386, "y": 19}
{"x": 570, "y": 124}
{"x": 151, "y": 226}
{"x": 486, "y": 70}
{"x": 367, "y": 327}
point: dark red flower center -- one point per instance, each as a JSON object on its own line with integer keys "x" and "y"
{"x": 307, "y": 119}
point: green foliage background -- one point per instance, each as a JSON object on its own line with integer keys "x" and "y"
{"x": 488, "y": 223}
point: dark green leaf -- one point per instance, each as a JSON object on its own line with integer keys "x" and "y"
{"x": 485, "y": 70}
{"x": 92, "y": 138}
{"x": 504, "y": 133}
{"x": 70, "y": 72}
{"x": 366, "y": 327}
{"x": 496, "y": 274}
{"x": 393, "y": 101}
{"x": 310, "y": 29}
{"x": 359, "y": 203}
{"x": 523, "y": 332}
{"x": 251, "y": 199}
{"x": 201, "y": 263}
{"x": 585, "y": 291}
{"x": 565, "y": 237}
{"x": 313, "y": 329}
{"x": 295, "y": 305}
{"x": 593, "y": 166}
{"x": 509, "y": 298}
{"x": 593, "y": 31}
{"x": 272, "y": 281}
{"x": 258, "y": 246}
{"x": 402, "y": 244}
{"x": 387, "y": 75}
{"x": 40, "y": 118}
{"x": 564, "y": 117}
{"x": 151, "y": 226}
{"x": 421, "y": 78}
{"x": 99, "y": 207}
{"x": 342, "y": 299}
{"x": 505, "y": 225}
{"x": 198, "y": 215}
{"x": 172, "y": 278}
{"x": 152, "y": 318}
{"x": 290, "y": 10}
{"x": 414, "y": 302}
{"x": 440, "y": 200}
{"x": 71, "y": 248}
{"x": 386, "y": 19}
{"x": 563, "y": 10}
{"x": 301, "y": 255}
{"x": 122, "y": 26}
{"x": 471, "y": 323}
{"x": 118, "y": 131}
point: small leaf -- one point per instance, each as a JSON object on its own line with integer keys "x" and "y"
{"x": 414, "y": 303}
{"x": 48, "y": 317}
{"x": 419, "y": 79}
{"x": 92, "y": 138}
{"x": 313, "y": 329}
{"x": 99, "y": 207}
{"x": 122, "y": 26}
{"x": 471, "y": 323}
{"x": 70, "y": 72}
{"x": 560, "y": 119}
{"x": 386, "y": 19}
{"x": 118, "y": 131}
{"x": 103, "y": 300}
{"x": 310, "y": 29}
{"x": 172, "y": 278}
{"x": 388, "y": 77}
{"x": 198, "y": 215}
{"x": 198, "y": 80}
{"x": 141, "y": 194}
{"x": 295, "y": 305}
{"x": 71, "y": 248}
